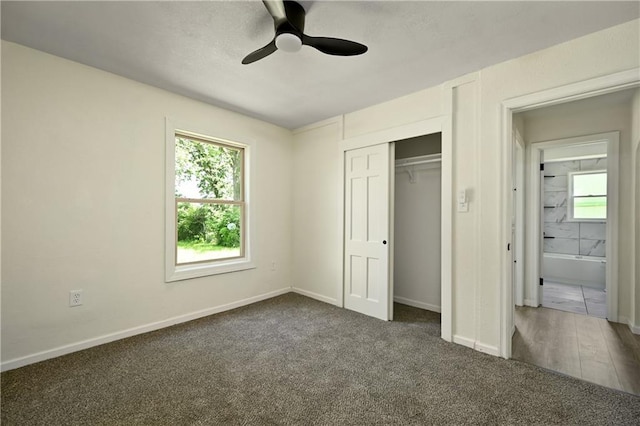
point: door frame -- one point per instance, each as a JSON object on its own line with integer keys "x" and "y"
{"x": 441, "y": 124}
{"x": 571, "y": 92}
{"x": 519, "y": 216}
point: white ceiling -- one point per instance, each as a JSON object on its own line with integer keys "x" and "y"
{"x": 195, "y": 48}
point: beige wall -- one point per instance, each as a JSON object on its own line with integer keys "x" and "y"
{"x": 83, "y": 204}
{"x": 317, "y": 212}
{"x": 477, "y": 154}
{"x": 589, "y": 117}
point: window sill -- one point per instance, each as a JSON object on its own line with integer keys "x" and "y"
{"x": 186, "y": 272}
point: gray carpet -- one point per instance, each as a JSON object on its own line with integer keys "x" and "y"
{"x": 293, "y": 360}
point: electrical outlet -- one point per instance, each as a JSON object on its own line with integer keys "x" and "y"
{"x": 75, "y": 298}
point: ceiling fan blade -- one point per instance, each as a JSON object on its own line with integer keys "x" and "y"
{"x": 277, "y": 10}
{"x": 260, "y": 53}
{"x": 335, "y": 46}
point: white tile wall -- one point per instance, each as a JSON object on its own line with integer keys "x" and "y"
{"x": 593, "y": 231}
{"x": 562, "y": 230}
{"x": 558, "y": 183}
{"x": 561, "y": 168}
{"x": 584, "y": 238}
{"x": 562, "y": 245}
{"x": 556, "y": 214}
{"x": 555, "y": 198}
{"x": 592, "y": 247}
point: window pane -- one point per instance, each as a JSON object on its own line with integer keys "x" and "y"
{"x": 207, "y": 170}
{"x": 590, "y": 208}
{"x": 208, "y": 232}
{"x": 590, "y": 184}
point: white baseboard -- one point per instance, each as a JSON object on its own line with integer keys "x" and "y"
{"x": 416, "y": 304}
{"x": 635, "y": 329}
{"x": 89, "y": 343}
{"x": 530, "y": 302}
{"x": 316, "y": 296}
{"x": 470, "y": 343}
{"x": 473, "y": 344}
{"x": 487, "y": 349}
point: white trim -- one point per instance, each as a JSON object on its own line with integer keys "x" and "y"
{"x": 579, "y": 90}
{"x": 635, "y": 329}
{"x": 473, "y": 344}
{"x": 446, "y": 231}
{"x": 533, "y": 234}
{"x": 612, "y": 228}
{"x": 530, "y": 302}
{"x": 575, "y": 91}
{"x": 316, "y": 296}
{"x": 419, "y": 128}
{"x": 519, "y": 214}
{"x": 392, "y": 228}
{"x": 417, "y": 304}
{"x": 442, "y": 124}
{"x": 464, "y": 341}
{"x": 175, "y": 272}
{"x": 488, "y": 349}
{"x": 96, "y": 341}
{"x": 329, "y": 121}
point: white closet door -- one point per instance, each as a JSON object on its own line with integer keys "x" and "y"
{"x": 366, "y": 248}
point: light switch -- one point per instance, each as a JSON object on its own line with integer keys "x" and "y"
{"x": 463, "y": 204}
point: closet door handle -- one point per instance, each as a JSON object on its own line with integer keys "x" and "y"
{"x": 384, "y": 241}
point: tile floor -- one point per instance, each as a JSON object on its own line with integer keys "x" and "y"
{"x": 576, "y": 299}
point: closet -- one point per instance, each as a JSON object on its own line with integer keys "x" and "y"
{"x": 417, "y": 210}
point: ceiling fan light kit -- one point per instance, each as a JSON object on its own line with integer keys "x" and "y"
{"x": 288, "y": 42}
{"x": 288, "y": 17}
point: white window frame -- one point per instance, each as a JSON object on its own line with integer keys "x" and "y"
{"x": 570, "y": 196}
{"x": 175, "y": 272}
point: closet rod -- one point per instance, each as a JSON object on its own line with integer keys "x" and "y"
{"x": 415, "y": 163}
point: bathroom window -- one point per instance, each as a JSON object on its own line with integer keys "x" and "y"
{"x": 588, "y": 196}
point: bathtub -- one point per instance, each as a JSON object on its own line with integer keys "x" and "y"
{"x": 588, "y": 271}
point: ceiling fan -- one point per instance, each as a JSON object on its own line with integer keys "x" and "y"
{"x": 288, "y": 17}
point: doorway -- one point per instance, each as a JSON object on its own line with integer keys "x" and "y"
{"x": 417, "y": 222}
{"x": 572, "y": 242}
{"x": 572, "y": 216}
{"x": 552, "y": 97}
{"x": 579, "y": 220}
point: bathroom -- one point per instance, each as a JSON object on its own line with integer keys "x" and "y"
{"x": 574, "y": 229}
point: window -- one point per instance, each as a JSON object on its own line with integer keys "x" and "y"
{"x": 207, "y": 205}
{"x": 209, "y": 200}
{"x": 588, "y": 196}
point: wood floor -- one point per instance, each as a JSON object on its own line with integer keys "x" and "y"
{"x": 581, "y": 346}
